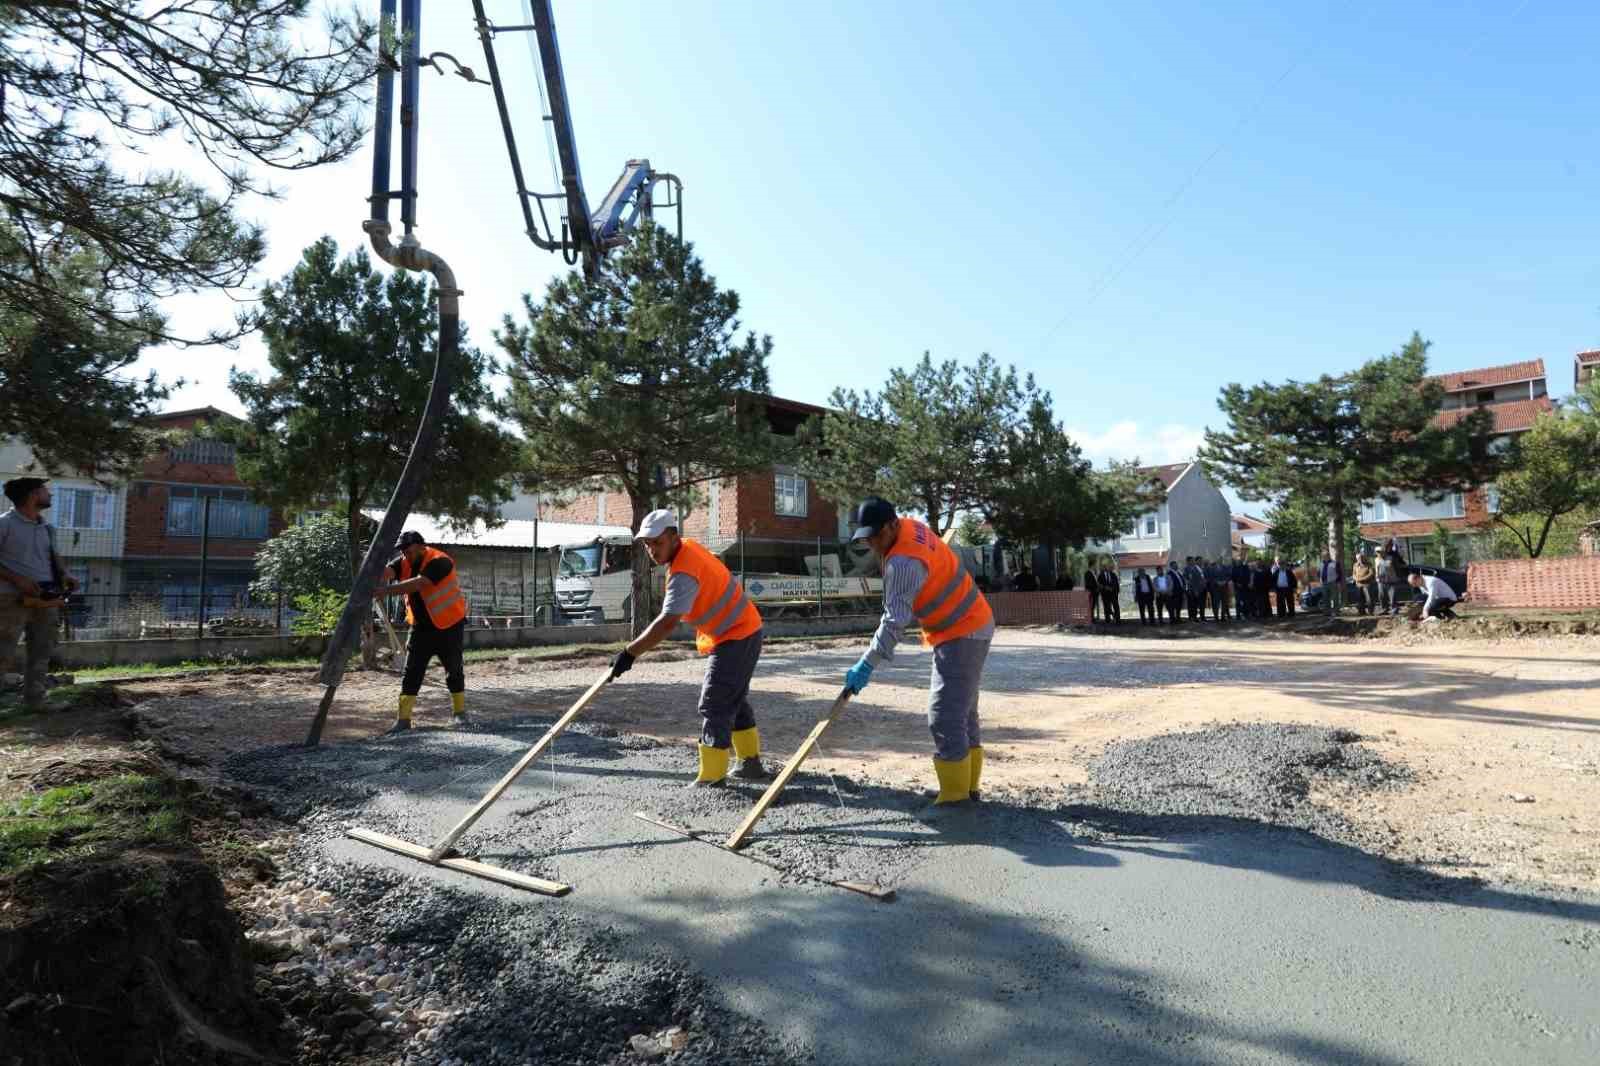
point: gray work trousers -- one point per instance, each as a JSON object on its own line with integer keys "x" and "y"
{"x": 725, "y": 692}
{"x": 39, "y": 623}
{"x": 1390, "y": 592}
{"x": 953, "y": 696}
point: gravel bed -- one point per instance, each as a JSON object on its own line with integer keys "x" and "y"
{"x": 1257, "y": 771}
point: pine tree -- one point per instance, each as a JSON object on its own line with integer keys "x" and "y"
{"x": 352, "y": 352}
{"x": 90, "y": 247}
{"x": 927, "y": 442}
{"x": 1358, "y": 436}
{"x": 636, "y": 380}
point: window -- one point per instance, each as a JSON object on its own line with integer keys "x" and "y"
{"x": 1491, "y": 496}
{"x": 211, "y": 452}
{"x": 1150, "y": 525}
{"x": 232, "y": 513}
{"x": 1458, "y": 505}
{"x": 789, "y": 495}
{"x": 83, "y": 508}
{"x": 1486, "y": 396}
{"x": 1132, "y": 532}
{"x": 1375, "y": 511}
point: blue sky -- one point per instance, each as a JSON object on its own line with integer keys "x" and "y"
{"x": 1138, "y": 202}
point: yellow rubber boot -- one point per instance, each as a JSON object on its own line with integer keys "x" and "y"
{"x": 713, "y": 768}
{"x": 458, "y": 704}
{"x": 402, "y": 716}
{"x": 955, "y": 779}
{"x": 975, "y": 757}
{"x": 747, "y": 745}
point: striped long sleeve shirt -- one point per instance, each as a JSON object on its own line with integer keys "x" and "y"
{"x": 903, "y": 578}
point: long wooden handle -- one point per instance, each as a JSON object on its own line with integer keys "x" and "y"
{"x": 741, "y": 834}
{"x": 439, "y": 850}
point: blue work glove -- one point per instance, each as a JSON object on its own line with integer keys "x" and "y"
{"x": 856, "y": 678}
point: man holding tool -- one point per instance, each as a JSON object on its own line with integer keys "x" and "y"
{"x": 923, "y": 579}
{"x": 702, "y": 592}
{"x": 437, "y": 611}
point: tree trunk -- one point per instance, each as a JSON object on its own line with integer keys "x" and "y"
{"x": 642, "y": 616}
{"x": 369, "y": 637}
{"x": 1336, "y": 534}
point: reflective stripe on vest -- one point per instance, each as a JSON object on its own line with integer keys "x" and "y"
{"x": 950, "y": 605}
{"x": 729, "y": 615}
{"x": 443, "y": 601}
{"x": 955, "y": 615}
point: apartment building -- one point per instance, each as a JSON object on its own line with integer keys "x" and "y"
{"x": 1516, "y": 394}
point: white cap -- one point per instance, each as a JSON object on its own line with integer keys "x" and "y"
{"x": 656, "y": 523}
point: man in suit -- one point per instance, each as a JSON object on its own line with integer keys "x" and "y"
{"x": 1260, "y": 587}
{"x": 1175, "y": 592}
{"x": 1284, "y": 587}
{"x": 1217, "y": 577}
{"x": 1194, "y": 584}
{"x": 1144, "y": 594}
{"x": 1111, "y": 593}
{"x": 1239, "y": 576}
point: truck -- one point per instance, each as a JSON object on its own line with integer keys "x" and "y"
{"x": 594, "y": 578}
{"x": 594, "y": 581}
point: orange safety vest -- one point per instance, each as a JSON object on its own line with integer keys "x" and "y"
{"x": 949, "y": 606}
{"x": 720, "y": 611}
{"x": 444, "y": 601}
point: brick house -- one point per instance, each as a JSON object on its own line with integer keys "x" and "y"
{"x": 166, "y": 515}
{"x": 1516, "y": 395}
{"x": 779, "y": 512}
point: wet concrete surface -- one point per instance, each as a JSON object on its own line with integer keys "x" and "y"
{"x": 1041, "y": 927}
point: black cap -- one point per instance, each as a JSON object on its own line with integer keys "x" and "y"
{"x": 408, "y": 538}
{"x": 19, "y": 488}
{"x": 874, "y": 513}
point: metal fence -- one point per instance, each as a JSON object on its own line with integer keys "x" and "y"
{"x": 166, "y": 615}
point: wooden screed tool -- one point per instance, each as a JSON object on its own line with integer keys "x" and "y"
{"x": 742, "y": 834}
{"x": 440, "y": 853}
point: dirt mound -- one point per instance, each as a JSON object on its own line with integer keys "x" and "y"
{"x": 132, "y": 958}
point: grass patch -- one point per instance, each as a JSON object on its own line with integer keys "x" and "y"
{"x": 61, "y": 699}
{"x": 75, "y": 821}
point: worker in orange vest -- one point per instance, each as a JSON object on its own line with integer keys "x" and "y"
{"x": 727, "y": 628}
{"x": 923, "y": 579}
{"x": 437, "y": 612}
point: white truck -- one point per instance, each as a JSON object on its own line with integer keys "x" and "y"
{"x": 594, "y": 583}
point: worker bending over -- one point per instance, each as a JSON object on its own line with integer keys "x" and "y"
{"x": 437, "y": 612}
{"x": 923, "y": 579}
{"x": 702, "y": 592}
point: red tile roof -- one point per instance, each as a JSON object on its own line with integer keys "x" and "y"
{"x": 1252, "y": 524}
{"x": 1513, "y": 417}
{"x": 1490, "y": 376}
{"x": 1165, "y": 474}
{"x": 1591, "y": 356}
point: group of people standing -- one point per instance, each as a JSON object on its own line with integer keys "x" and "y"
{"x": 1232, "y": 589}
